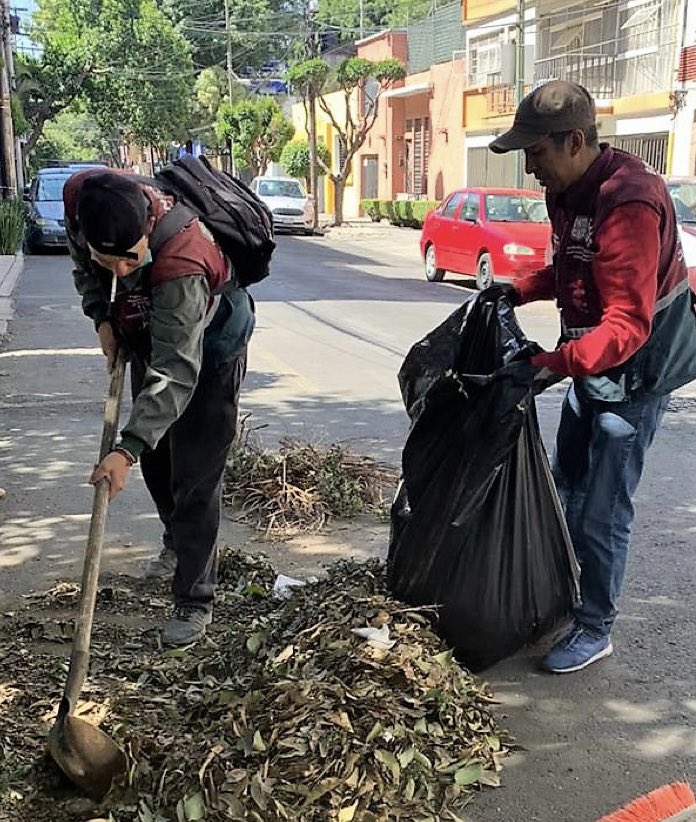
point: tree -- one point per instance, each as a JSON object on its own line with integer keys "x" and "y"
{"x": 343, "y": 16}
{"x": 149, "y": 94}
{"x": 251, "y": 22}
{"x": 210, "y": 91}
{"x": 362, "y": 83}
{"x": 295, "y": 159}
{"x": 124, "y": 56}
{"x": 72, "y": 135}
{"x": 258, "y": 130}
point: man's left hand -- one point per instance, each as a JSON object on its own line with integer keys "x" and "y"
{"x": 114, "y": 469}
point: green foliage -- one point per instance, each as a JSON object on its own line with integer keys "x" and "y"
{"x": 421, "y": 209}
{"x": 12, "y": 214}
{"x": 148, "y": 94}
{"x": 377, "y": 15}
{"x": 371, "y": 208}
{"x": 211, "y": 89}
{"x": 19, "y": 121}
{"x": 308, "y": 75}
{"x": 203, "y": 22}
{"x": 295, "y": 158}
{"x": 124, "y": 57}
{"x": 355, "y": 71}
{"x": 338, "y": 487}
{"x": 258, "y": 130}
{"x": 400, "y": 212}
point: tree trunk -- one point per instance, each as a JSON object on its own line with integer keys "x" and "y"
{"x": 35, "y": 135}
{"x": 339, "y": 188}
{"x": 313, "y": 171}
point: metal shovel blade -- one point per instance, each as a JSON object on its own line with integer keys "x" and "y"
{"x": 87, "y": 756}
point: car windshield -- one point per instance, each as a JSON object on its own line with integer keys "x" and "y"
{"x": 51, "y": 188}
{"x": 513, "y": 208}
{"x": 280, "y": 188}
{"x": 684, "y": 199}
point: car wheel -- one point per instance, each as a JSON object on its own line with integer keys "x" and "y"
{"x": 484, "y": 272}
{"x": 432, "y": 273}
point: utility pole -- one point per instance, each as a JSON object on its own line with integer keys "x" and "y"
{"x": 311, "y": 51}
{"x": 362, "y": 19}
{"x": 9, "y": 58}
{"x": 9, "y": 167}
{"x": 230, "y": 76}
{"x": 519, "y": 85}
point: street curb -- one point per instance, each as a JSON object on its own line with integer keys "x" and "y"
{"x": 11, "y": 267}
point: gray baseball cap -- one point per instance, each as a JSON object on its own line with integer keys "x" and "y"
{"x": 556, "y": 106}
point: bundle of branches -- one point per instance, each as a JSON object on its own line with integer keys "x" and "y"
{"x": 334, "y": 705}
{"x": 301, "y": 486}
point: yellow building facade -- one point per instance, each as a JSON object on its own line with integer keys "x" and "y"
{"x": 326, "y": 134}
{"x": 625, "y": 53}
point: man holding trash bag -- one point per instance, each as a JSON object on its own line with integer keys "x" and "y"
{"x": 628, "y": 336}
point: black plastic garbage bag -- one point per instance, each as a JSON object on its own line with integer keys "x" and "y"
{"x": 477, "y": 525}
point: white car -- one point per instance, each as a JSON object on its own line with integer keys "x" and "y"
{"x": 291, "y": 206}
{"x": 683, "y": 193}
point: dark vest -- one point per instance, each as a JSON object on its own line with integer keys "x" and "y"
{"x": 667, "y": 359}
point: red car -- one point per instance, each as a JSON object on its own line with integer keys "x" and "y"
{"x": 490, "y": 233}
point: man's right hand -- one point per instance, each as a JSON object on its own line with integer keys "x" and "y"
{"x": 498, "y": 290}
{"x": 109, "y": 344}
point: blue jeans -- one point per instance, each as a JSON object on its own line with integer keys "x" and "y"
{"x": 599, "y": 458}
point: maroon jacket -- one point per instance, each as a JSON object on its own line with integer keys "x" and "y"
{"x": 191, "y": 251}
{"x": 620, "y": 282}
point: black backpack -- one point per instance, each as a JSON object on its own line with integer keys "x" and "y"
{"x": 239, "y": 221}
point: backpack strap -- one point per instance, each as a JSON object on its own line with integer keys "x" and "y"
{"x": 173, "y": 221}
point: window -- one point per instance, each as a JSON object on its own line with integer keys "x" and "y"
{"x": 339, "y": 154}
{"x": 568, "y": 38}
{"x": 485, "y": 60}
{"x": 418, "y": 155}
{"x": 470, "y": 212}
{"x": 639, "y": 28}
{"x": 640, "y": 16}
{"x": 452, "y": 205}
{"x": 51, "y": 188}
{"x": 684, "y": 198}
{"x": 280, "y": 188}
{"x": 510, "y": 208}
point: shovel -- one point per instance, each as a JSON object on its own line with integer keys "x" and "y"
{"x": 87, "y": 756}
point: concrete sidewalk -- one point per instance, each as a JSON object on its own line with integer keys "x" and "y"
{"x": 11, "y": 266}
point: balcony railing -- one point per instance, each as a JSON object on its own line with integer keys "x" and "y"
{"x": 596, "y": 72}
{"x": 606, "y": 76}
{"x": 501, "y": 100}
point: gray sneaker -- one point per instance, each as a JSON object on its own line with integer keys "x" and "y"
{"x": 186, "y": 625}
{"x": 161, "y": 566}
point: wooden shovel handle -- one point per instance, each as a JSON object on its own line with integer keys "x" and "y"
{"x": 79, "y": 658}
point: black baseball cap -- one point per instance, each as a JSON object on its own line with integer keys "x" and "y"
{"x": 112, "y": 213}
{"x": 554, "y": 107}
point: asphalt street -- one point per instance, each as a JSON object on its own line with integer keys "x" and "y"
{"x": 334, "y": 322}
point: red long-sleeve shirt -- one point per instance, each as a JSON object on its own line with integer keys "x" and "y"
{"x": 624, "y": 266}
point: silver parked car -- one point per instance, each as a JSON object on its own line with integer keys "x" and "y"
{"x": 291, "y": 206}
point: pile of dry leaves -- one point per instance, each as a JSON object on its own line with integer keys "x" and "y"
{"x": 337, "y": 703}
{"x": 302, "y": 486}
